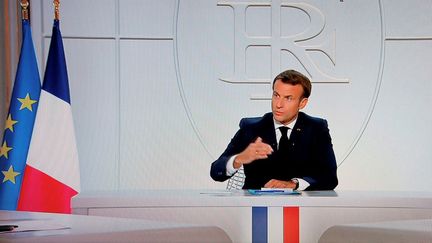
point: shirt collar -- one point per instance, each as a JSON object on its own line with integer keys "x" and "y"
{"x": 290, "y": 125}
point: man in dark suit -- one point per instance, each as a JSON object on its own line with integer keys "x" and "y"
{"x": 282, "y": 149}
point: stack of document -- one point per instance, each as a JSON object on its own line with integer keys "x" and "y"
{"x": 273, "y": 191}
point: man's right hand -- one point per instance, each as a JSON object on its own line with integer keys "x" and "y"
{"x": 254, "y": 151}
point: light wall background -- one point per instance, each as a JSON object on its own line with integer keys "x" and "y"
{"x": 158, "y": 87}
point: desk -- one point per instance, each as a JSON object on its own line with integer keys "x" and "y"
{"x": 78, "y": 228}
{"x": 404, "y": 231}
{"x": 309, "y": 214}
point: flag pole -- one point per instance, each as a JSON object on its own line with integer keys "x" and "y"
{"x": 24, "y": 9}
{"x": 56, "y": 9}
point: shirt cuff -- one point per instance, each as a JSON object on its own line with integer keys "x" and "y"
{"x": 230, "y": 170}
{"x": 302, "y": 184}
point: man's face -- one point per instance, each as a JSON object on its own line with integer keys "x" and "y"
{"x": 287, "y": 101}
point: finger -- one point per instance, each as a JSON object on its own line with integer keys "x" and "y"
{"x": 269, "y": 184}
{"x": 263, "y": 146}
{"x": 260, "y": 157}
{"x": 280, "y": 185}
{"x": 269, "y": 148}
{"x": 265, "y": 150}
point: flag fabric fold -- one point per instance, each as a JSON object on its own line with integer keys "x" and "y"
{"x": 19, "y": 123}
{"x": 51, "y": 177}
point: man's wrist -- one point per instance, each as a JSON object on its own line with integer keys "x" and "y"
{"x": 230, "y": 170}
{"x": 296, "y": 182}
{"x": 236, "y": 163}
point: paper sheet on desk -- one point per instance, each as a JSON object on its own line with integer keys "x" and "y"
{"x": 218, "y": 193}
{"x": 273, "y": 191}
{"x": 32, "y": 225}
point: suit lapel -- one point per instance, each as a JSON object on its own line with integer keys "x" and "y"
{"x": 268, "y": 133}
{"x": 297, "y": 129}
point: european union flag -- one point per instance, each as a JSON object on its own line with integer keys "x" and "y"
{"x": 19, "y": 122}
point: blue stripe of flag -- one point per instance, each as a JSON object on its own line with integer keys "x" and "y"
{"x": 56, "y": 78}
{"x": 259, "y": 225}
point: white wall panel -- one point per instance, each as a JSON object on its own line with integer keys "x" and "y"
{"x": 146, "y": 18}
{"x": 82, "y": 18}
{"x": 158, "y": 146}
{"x": 395, "y": 143}
{"x": 394, "y": 153}
{"x": 408, "y": 18}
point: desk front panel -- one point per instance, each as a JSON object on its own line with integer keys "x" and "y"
{"x": 261, "y": 219}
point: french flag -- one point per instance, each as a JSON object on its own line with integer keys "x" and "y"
{"x": 276, "y": 224}
{"x": 51, "y": 177}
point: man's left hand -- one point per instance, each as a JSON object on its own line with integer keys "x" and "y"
{"x": 273, "y": 183}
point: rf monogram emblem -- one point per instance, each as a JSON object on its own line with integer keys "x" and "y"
{"x": 277, "y": 43}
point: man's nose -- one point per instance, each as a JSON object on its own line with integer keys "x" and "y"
{"x": 279, "y": 103}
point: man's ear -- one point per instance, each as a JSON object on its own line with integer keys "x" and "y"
{"x": 303, "y": 103}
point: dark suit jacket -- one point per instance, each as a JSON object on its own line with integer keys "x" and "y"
{"x": 310, "y": 157}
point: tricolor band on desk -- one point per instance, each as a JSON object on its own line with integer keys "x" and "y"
{"x": 271, "y": 223}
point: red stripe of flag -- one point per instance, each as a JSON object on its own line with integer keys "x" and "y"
{"x": 291, "y": 225}
{"x": 42, "y": 193}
